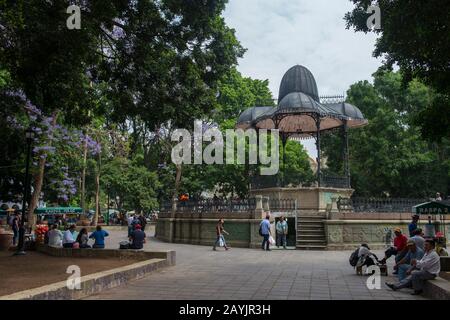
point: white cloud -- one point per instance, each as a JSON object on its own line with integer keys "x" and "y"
{"x": 282, "y": 33}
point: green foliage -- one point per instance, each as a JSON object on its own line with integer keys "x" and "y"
{"x": 415, "y": 36}
{"x": 389, "y": 156}
{"x": 132, "y": 183}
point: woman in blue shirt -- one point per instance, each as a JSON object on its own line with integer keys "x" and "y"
{"x": 99, "y": 236}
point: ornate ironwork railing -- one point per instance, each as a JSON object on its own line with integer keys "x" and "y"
{"x": 359, "y": 204}
{"x": 213, "y": 205}
{"x": 334, "y": 181}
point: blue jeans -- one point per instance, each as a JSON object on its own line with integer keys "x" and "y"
{"x": 281, "y": 240}
{"x": 265, "y": 243}
{"x": 218, "y": 241}
{"x": 402, "y": 271}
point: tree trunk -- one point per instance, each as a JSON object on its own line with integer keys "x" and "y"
{"x": 177, "y": 180}
{"x": 97, "y": 191}
{"x": 83, "y": 179}
{"x": 38, "y": 181}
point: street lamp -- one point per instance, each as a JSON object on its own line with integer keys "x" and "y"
{"x": 29, "y": 135}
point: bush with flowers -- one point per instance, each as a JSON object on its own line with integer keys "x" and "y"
{"x": 40, "y": 231}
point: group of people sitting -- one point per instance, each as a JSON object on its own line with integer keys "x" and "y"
{"x": 70, "y": 239}
{"x": 416, "y": 258}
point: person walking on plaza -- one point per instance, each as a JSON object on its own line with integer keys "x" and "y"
{"x": 413, "y": 225}
{"x": 99, "y": 236}
{"x": 404, "y": 265}
{"x": 220, "y": 238}
{"x": 425, "y": 269}
{"x": 282, "y": 231}
{"x": 55, "y": 237}
{"x": 399, "y": 249}
{"x": 265, "y": 233}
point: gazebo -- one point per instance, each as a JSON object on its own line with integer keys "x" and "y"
{"x": 301, "y": 114}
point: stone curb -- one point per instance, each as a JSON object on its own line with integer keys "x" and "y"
{"x": 90, "y": 284}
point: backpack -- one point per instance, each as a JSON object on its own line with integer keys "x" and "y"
{"x": 354, "y": 258}
{"x": 260, "y": 230}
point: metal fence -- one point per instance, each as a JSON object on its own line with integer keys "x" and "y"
{"x": 360, "y": 204}
{"x": 334, "y": 181}
{"x": 213, "y": 205}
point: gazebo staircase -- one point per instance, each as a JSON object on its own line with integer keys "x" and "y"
{"x": 311, "y": 233}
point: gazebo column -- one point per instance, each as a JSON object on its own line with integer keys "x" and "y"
{"x": 284, "y": 139}
{"x": 346, "y": 154}
{"x": 319, "y": 174}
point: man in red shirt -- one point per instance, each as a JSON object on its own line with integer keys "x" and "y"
{"x": 399, "y": 249}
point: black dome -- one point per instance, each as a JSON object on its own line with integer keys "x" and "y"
{"x": 298, "y": 79}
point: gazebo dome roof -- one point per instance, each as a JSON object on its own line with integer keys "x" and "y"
{"x": 354, "y": 115}
{"x": 298, "y": 79}
{"x": 248, "y": 116}
{"x": 303, "y": 103}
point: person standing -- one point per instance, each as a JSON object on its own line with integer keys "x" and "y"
{"x": 425, "y": 269}
{"x": 219, "y": 232}
{"x": 130, "y": 224}
{"x": 413, "y": 225}
{"x": 282, "y": 231}
{"x": 99, "y": 236}
{"x": 142, "y": 222}
{"x": 265, "y": 232}
{"x": 15, "y": 227}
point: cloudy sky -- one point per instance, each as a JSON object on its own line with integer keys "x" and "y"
{"x": 282, "y": 33}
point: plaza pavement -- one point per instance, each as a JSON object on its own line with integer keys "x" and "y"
{"x": 239, "y": 274}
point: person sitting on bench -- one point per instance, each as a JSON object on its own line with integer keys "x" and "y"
{"x": 137, "y": 238}
{"x": 399, "y": 249}
{"x": 425, "y": 269}
{"x": 404, "y": 265}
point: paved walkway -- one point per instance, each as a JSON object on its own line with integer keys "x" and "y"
{"x": 203, "y": 274}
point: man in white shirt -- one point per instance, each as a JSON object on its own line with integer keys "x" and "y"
{"x": 68, "y": 238}
{"x": 427, "y": 268}
{"x": 55, "y": 237}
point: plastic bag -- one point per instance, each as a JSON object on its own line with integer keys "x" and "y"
{"x": 221, "y": 242}
{"x": 271, "y": 240}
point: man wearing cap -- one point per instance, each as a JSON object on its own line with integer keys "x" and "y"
{"x": 424, "y": 269}
{"x": 137, "y": 237}
{"x": 404, "y": 265}
{"x": 413, "y": 225}
{"x": 399, "y": 249}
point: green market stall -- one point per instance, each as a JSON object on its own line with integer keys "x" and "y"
{"x": 436, "y": 212}
{"x": 50, "y": 214}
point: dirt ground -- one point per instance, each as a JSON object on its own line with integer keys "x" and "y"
{"x": 18, "y": 273}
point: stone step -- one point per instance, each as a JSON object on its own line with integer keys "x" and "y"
{"x": 311, "y": 241}
{"x": 311, "y": 247}
{"x": 311, "y": 236}
{"x": 437, "y": 289}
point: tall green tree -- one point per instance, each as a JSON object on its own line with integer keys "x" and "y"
{"x": 415, "y": 36}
